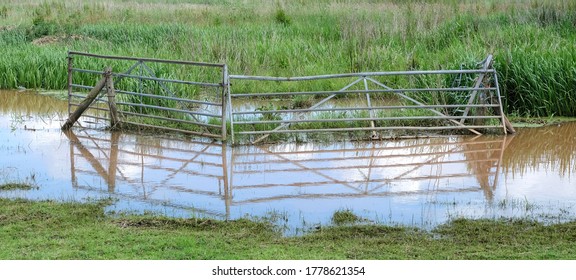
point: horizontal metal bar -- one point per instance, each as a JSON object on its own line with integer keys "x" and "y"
{"x": 363, "y": 74}
{"x": 170, "y": 119}
{"x": 363, "y": 181}
{"x": 99, "y": 100}
{"x": 148, "y": 78}
{"x": 95, "y": 117}
{"x": 366, "y": 108}
{"x": 175, "y": 129}
{"x": 149, "y": 95}
{"x": 81, "y": 86}
{"x": 367, "y": 119}
{"x": 254, "y": 162}
{"x": 169, "y": 109}
{"x": 92, "y": 107}
{"x": 185, "y": 171}
{"x": 169, "y": 98}
{"x": 88, "y": 71}
{"x": 369, "y": 129}
{"x": 343, "y": 92}
{"x": 166, "y": 80}
{"x": 356, "y": 150}
{"x": 146, "y": 59}
{"x": 184, "y": 151}
{"x": 361, "y": 166}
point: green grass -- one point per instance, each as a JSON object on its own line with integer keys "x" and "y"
{"x": 345, "y": 217}
{"x": 15, "y": 186}
{"x": 531, "y": 40}
{"x": 52, "y": 230}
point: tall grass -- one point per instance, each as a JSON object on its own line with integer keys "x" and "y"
{"x": 532, "y": 40}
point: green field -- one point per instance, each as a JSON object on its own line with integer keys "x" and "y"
{"x": 51, "y": 230}
{"x": 532, "y": 41}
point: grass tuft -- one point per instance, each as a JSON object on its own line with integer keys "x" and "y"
{"x": 345, "y": 217}
{"x": 16, "y": 186}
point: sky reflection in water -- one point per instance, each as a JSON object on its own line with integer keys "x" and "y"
{"x": 418, "y": 182}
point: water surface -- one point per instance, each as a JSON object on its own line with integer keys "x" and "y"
{"x": 415, "y": 182}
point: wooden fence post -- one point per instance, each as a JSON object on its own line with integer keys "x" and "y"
{"x": 114, "y": 119}
{"x": 84, "y": 104}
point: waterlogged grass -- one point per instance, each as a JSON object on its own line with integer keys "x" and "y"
{"x": 531, "y": 40}
{"x": 51, "y": 230}
{"x": 345, "y": 217}
{"x": 15, "y": 186}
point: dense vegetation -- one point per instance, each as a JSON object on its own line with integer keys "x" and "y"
{"x": 533, "y": 41}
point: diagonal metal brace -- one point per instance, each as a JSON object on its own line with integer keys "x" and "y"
{"x": 422, "y": 104}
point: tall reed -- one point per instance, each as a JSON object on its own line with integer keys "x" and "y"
{"x": 532, "y": 40}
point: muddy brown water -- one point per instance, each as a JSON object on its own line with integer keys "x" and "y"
{"x": 416, "y": 182}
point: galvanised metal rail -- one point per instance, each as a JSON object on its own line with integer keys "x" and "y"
{"x": 149, "y": 96}
{"x": 193, "y": 101}
{"x": 471, "y": 114}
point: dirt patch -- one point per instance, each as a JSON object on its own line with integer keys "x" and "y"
{"x": 163, "y": 222}
{"x": 7, "y": 27}
{"x": 53, "y": 39}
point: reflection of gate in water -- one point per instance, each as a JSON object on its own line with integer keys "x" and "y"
{"x": 214, "y": 179}
{"x": 153, "y": 171}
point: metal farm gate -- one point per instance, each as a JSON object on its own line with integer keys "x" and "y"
{"x": 450, "y": 99}
{"x": 171, "y": 95}
{"x": 197, "y": 98}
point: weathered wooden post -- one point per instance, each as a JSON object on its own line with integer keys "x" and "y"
{"x": 85, "y": 104}
{"x": 225, "y": 83}
{"x": 111, "y": 93}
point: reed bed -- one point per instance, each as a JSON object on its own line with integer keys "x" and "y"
{"x": 532, "y": 40}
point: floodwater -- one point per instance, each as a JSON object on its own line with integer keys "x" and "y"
{"x": 416, "y": 182}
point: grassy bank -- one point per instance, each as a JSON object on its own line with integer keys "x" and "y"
{"x": 532, "y": 40}
{"x": 51, "y": 230}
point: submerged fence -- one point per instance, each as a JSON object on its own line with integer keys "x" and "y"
{"x": 198, "y": 98}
